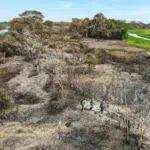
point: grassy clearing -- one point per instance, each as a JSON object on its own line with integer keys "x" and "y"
{"x": 2, "y": 27}
{"x": 138, "y": 42}
{"x": 141, "y": 32}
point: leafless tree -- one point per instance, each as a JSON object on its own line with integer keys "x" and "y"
{"x": 135, "y": 114}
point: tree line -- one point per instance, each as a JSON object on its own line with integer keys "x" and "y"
{"x": 97, "y": 27}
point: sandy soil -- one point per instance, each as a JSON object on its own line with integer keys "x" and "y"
{"x": 110, "y": 45}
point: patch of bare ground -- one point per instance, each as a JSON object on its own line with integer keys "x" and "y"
{"x": 110, "y": 45}
{"x": 20, "y": 136}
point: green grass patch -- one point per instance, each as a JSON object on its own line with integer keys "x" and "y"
{"x": 141, "y": 32}
{"x": 138, "y": 42}
{"x": 2, "y": 27}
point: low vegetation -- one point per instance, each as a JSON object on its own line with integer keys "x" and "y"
{"x": 138, "y": 42}
{"x": 4, "y": 101}
{"x": 2, "y": 27}
{"x": 141, "y": 32}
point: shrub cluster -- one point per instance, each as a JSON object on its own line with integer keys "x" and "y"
{"x": 100, "y": 27}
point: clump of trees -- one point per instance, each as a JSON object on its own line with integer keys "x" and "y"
{"x": 100, "y": 27}
{"x": 138, "y": 25}
{"x": 30, "y": 19}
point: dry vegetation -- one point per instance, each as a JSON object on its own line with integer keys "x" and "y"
{"x": 60, "y": 68}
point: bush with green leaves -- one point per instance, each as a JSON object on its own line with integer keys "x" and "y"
{"x": 12, "y": 43}
{"x": 10, "y": 40}
{"x": 91, "y": 60}
{"x": 100, "y": 27}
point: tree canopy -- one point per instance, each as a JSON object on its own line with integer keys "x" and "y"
{"x": 32, "y": 14}
{"x": 30, "y": 18}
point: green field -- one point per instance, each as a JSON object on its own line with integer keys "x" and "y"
{"x": 139, "y": 42}
{"x": 2, "y": 27}
{"x": 141, "y": 32}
